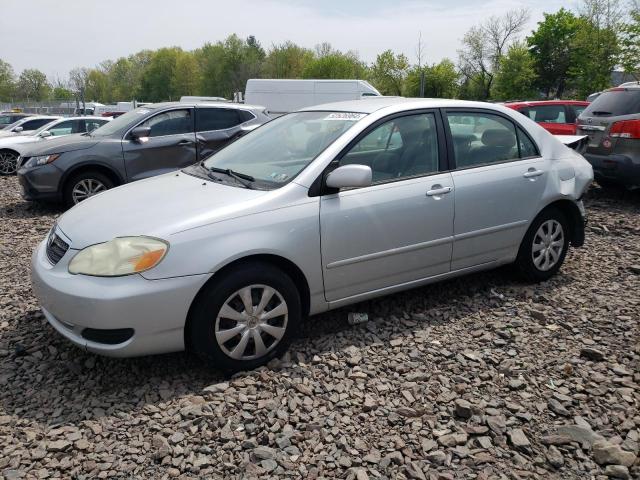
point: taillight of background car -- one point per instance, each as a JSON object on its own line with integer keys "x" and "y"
{"x": 626, "y": 129}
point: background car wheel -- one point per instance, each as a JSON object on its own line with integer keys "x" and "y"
{"x": 85, "y": 185}
{"x": 544, "y": 246}
{"x": 8, "y": 162}
{"x": 245, "y": 318}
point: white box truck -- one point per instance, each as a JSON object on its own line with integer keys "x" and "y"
{"x": 280, "y": 96}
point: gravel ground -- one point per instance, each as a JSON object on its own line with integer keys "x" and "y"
{"x": 480, "y": 377}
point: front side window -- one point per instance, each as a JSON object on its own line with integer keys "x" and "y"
{"x": 217, "y": 119}
{"x": 279, "y": 150}
{"x": 399, "y": 148}
{"x": 548, "y": 114}
{"x": 173, "y": 122}
{"x": 482, "y": 138}
{"x": 67, "y": 127}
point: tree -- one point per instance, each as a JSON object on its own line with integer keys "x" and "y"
{"x": 551, "y": 46}
{"x": 484, "y": 45}
{"x": 33, "y": 85}
{"x": 286, "y": 60}
{"x": 156, "y": 81}
{"x": 329, "y": 63}
{"x": 630, "y": 45}
{"x": 389, "y": 72}
{"x": 7, "y": 81}
{"x": 516, "y": 75}
{"x": 186, "y": 79}
{"x": 441, "y": 80}
{"x": 97, "y": 86}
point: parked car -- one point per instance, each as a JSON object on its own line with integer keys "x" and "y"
{"x": 612, "y": 123}
{"x": 281, "y": 96}
{"x": 144, "y": 142}
{"x": 309, "y": 212}
{"x": 556, "y": 116}
{"x": 27, "y": 125}
{"x": 7, "y": 118}
{"x": 11, "y": 147}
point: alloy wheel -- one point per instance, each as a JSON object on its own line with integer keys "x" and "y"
{"x": 548, "y": 243}
{"x": 8, "y": 163}
{"x": 85, "y": 188}
{"x": 251, "y": 322}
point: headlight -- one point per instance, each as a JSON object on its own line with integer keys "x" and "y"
{"x": 120, "y": 256}
{"x": 41, "y": 160}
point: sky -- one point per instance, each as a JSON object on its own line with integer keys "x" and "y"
{"x": 56, "y": 36}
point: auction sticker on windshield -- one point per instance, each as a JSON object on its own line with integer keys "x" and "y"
{"x": 345, "y": 116}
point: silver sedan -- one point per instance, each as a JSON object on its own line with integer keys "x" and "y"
{"x": 315, "y": 210}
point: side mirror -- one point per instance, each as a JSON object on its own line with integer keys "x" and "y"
{"x": 140, "y": 134}
{"x": 45, "y": 134}
{"x": 18, "y": 129}
{"x": 350, "y": 176}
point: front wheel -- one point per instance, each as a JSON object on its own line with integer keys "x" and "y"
{"x": 8, "y": 162}
{"x": 544, "y": 246}
{"x": 85, "y": 185}
{"x": 245, "y": 318}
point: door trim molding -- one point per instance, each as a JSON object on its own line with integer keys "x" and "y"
{"x": 486, "y": 231}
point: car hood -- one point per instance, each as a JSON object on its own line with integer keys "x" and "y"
{"x": 67, "y": 143}
{"x": 15, "y": 139}
{"x": 156, "y": 207}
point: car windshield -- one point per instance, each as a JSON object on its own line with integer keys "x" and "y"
{"x": 120, "y": 122}
{"x": 615, "y": 102}
{"x": 279, "y": 150}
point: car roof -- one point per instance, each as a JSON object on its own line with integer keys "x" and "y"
{"x": 242, "y": 106}
{"x": 373, "y": 104}
{"x": 536, "y": 103}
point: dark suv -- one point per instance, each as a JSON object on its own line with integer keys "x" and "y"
{"x": 612, "y": 123}
{"x": 144, "y": 142}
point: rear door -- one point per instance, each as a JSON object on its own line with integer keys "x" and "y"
{"x": 170, "y": 146}
{"x": 216, "y": 126}
{"x": 499, "y": 179}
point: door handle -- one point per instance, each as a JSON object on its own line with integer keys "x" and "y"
{"x": 183, "y": 143}
{"x": 532, "y": 173}
{"x": 438, "y": 191}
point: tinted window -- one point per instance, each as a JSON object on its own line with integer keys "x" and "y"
{"x": 35, "y": 124}
{"x": 482, "y": 138}
{"x": 547, "y": 114}
{"x": 527, "y": 147}
{"x": 173, "y": 122}
{"x": 614, "y": 103}
{"x": 402, "y": 147}
{"x": 67, "y": 127}
{"x": 578, "y": 109}
{"x": 245, "y": 116}
{"x": 123, "y": 121}
{"x": 92, "y": 124}
{"x": 6, "y": 119}
{"x": 216, "y": 118}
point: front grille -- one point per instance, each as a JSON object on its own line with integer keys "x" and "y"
{"x": 56, "y": 248}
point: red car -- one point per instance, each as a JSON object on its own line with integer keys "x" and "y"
{"x": 556, "y": 116}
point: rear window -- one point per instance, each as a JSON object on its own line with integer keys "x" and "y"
{"x": 614, "y": 103}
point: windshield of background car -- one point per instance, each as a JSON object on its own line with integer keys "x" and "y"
{"x": 279, "y": 150}
{"x": 614, "y": 103}
{"x": 121, "y": 122}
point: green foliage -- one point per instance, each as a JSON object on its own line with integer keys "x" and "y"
{"x": 33, "y": 85}
{"x": 441, "y": 80}
{"x": 329, "y": 63}
{"x": 630, "y": 45}
{"x": 516, "y": 75}
{"x": 389, "y": 72}
{"x": 286, "y": 60}
{"x": 156, "y": 81}
{"x": 61, "y": 93}
{"x": 7, "y": 81}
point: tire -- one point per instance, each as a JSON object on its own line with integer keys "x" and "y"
{"x": 551, "y": 246}
{"x": 220, "y": 342}
{"x": 8, "y": 162}
{"x": 90, "y": 180}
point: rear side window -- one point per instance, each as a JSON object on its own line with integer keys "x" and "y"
{"x": 217, "y": 118}
{"x": 173, "y": 122}
{"x": 614, "y": 103}
{"x": 245, "y": 116}
{"x": 482, "y": 138}
{"x": 548, "y": 114}
{"x": 35, "y": 124}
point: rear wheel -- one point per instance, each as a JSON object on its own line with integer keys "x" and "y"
{"x": 245, "y": 318}
{"x": 85, "y": 185}
{"x": 8, "y": 162}
{"x": 544, "y": 246}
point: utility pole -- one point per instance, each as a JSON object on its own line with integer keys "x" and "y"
{"x": 420, "y": 69}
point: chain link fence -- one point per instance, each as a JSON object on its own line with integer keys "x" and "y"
{"x": 49, "y": 107}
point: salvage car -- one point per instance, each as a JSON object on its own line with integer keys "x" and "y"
{"x": 11, "y": 147}
{"x": 144, "y": 142}
{"x": 556, "y": 116}
{"x": 315, "y": 210}
{"x": 27, "y": 125}
{"x": 612, "y": 123}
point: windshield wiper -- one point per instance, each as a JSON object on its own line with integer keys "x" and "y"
{"x": 601, "y": 112}
{"x": 241, "y": 178}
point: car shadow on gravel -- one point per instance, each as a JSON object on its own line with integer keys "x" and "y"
{"x": 18, "y": 210}
{"x": 44, "y": 378}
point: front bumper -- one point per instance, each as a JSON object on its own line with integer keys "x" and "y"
{"x": 616, "y": 168}
{"x": 156, "y": 310}
{"x": 40, "y": 183}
